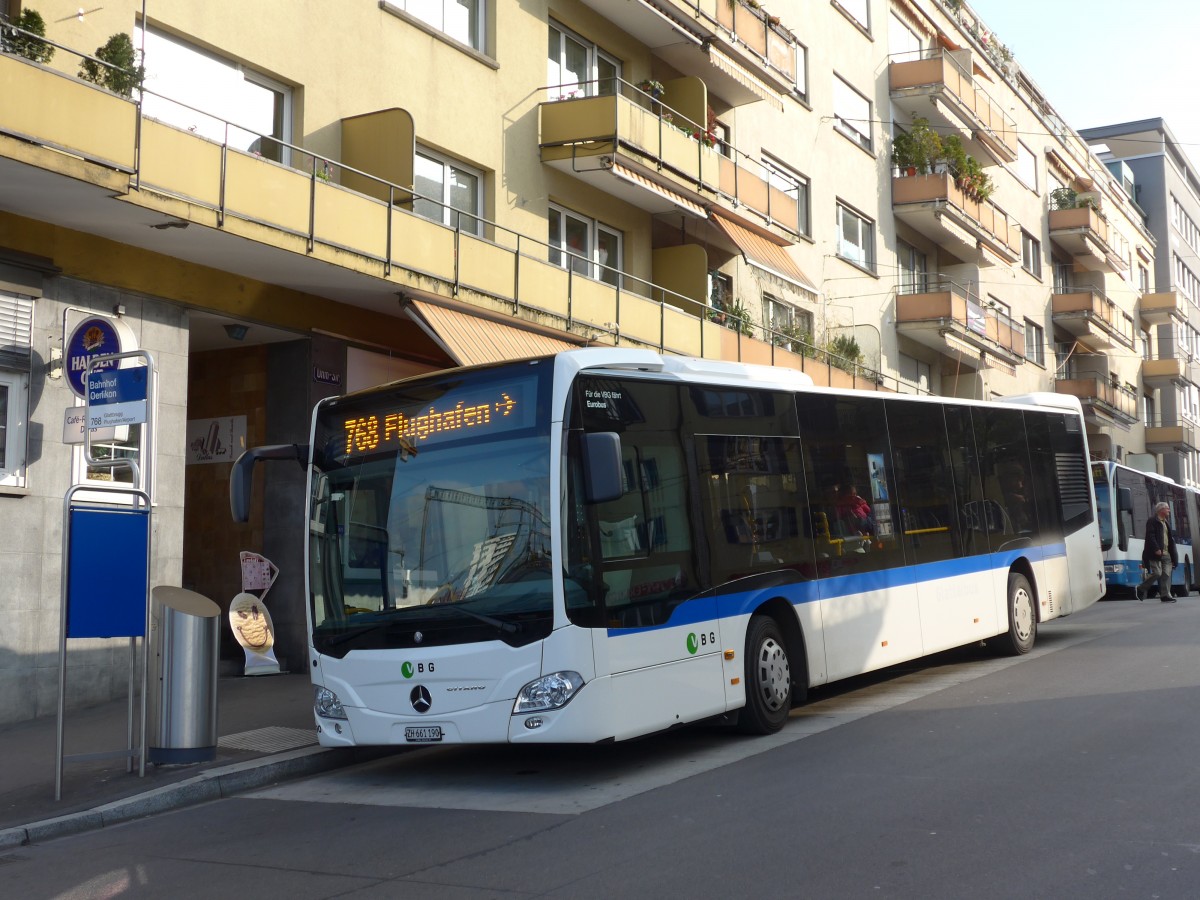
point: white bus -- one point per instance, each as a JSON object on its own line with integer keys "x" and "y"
{"x": 607, "y": 543}
{"x": 1125, "y": 500}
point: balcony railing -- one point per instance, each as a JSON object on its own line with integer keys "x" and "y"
{"x": 632, "y": 123}
{"x": 302, "y": 209}
{"x": 939, "y": 71}
{"x": 1161, "y": 308}
{"x": 754, "y": 29}
{"x": 957, "y": 312}
{"x": 1111, "y": 400}
{"x": 1084, "y": 233}
{"x": 1171, "y": 435}
{"x": 918, "y": 199}
{"x": 1086, "y": 312}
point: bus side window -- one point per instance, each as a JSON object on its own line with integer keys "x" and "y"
{"x": 845, "y": 443}
{"x": 1004, "y": 467}
{"x": 929, "y": 527}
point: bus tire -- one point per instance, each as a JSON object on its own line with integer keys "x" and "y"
{"x": 1022, "y": 616}
{"x": 1187, "y": 579}
{"x": 768, "y": 673}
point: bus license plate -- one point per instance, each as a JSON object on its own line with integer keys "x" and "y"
{"x": 423, "y": 734}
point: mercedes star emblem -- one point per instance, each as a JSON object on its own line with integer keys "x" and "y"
{"x": 420, "y": 698}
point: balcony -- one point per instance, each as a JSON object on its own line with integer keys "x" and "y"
{"x": 82, "y": 158}
{"x": 1163, "y": 308}
{"x": 1103, "y": 403}
{"x": 1090, "y": 316}
{"x": 975, "y": 232}
{"x": 602, "y": 140}
{"x": 1174, "y": 436}
{"x": 941, "y": 88}
{"x": 950, "y": 320}
{"x": 736, "y": 49}
{"x": 1083, "y": 233}
{"x": 1163, "y": 373}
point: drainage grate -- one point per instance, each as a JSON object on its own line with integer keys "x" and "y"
{"x": 272, "y": 739}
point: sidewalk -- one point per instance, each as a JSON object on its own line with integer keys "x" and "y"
{"x": 266, "y": 734}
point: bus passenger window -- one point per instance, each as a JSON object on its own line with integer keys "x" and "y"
{"x": 846, "y": 446}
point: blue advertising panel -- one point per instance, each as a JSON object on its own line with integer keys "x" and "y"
{"x": 96, "y": 336}
{"x": 106, "y": 574}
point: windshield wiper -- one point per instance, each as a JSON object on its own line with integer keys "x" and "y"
{"x": 498, "y": 624}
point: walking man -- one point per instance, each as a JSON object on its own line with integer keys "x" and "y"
{"x": 1159, "y": 556}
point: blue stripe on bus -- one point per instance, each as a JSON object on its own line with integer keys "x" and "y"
{"x": 693, "y": 612}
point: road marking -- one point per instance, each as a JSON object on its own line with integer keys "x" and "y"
{"x": 569, "y": 780}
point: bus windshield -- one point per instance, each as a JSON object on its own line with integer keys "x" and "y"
{"x": 429, "y": 513}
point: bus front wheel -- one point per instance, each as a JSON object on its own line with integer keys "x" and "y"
{"x": 768, "y": 679}
{"x": 1022, "y": 615}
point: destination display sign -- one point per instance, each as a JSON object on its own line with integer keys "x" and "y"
{"x": 489, "y": 409}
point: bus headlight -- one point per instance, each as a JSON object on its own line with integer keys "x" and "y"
{"x": 327, "y": 704}
{"x": 548, "y": 692}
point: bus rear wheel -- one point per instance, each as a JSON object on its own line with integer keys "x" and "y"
{"x": 1022, "y": 615}
{"x": 768, "y": 679}
{"x": 1187, "y": 579}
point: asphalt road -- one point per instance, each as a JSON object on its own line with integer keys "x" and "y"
{"x": 1068, "y": 773}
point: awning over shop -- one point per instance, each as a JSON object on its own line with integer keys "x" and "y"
{"x": 745, "y": 77}
{"x": 764, "y": 254}
{"x": 471, "y": 340}
{"x": 666, "y": 193}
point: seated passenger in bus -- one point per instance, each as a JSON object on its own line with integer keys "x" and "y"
{"x": 855, "y": 512}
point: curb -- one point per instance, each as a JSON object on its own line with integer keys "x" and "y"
{"x": 215, "y": 784}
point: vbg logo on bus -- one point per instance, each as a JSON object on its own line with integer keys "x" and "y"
{"x": 694, "y": 642}
{"x": 408, "y": 669}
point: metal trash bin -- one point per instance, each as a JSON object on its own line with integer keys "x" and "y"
{"x": 181, "y": 696}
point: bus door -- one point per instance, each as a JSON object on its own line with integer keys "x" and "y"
{"x": 943, "y": 519}
{"x": 656, "y": 633}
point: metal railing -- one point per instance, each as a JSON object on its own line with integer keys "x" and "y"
{"x": 733, "y": 166}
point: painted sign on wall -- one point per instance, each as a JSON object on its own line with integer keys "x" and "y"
{"x": 215, "y": 440}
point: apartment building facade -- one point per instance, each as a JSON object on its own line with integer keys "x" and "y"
{"x": 1153, "y": 167}
{"x": 302, "y": 201}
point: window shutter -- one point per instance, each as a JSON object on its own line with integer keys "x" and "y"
{"x": 16, "y": 331}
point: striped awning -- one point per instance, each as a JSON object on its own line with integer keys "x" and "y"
{"x": 744, "y": 77}
{"x": 764, "y": 254}
{"x": 471, "y": 340}
{"x": 680, "y": 201}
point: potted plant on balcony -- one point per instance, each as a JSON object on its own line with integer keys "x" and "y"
{"x": 122, "y": 74}
{"x": 654, "y": 88}
{"x": 915, "y": 151}
{"x": 22, "y": 42}
{"x": 1063, "y": 198}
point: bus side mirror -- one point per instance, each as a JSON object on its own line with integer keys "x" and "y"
{"x": 1124, "y": 500}
{"x": 241, "y": 479}
{"x": 602, "y": 468}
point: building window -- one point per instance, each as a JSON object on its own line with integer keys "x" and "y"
{"x": 801, "y": 87}
{"x": 794, "y": 186}
{"x": 1149, "y": 411}
{"x": 462, "y": 20}
{"x": 914, "y": 374}
{"x": 1031, "y": 254}
{"x": 1143, "y": 280}
{"x": 858, "y": 10}
{"x": 852, "y": 113}
{"x": 1035, "y": 342}
{"x": 585, "y": 246}
{"x": 13, "y": 404}
{"x": 1027, "y": 166}
{"x": 449, "y": 192}
{"x": 856, "y": 238}
{"x": 786, "y": 325}
{"x": 206, "y": 92}
{"x": 914, "y": 269}
{"x": 902, "y": 40}
{"x": 577, "y": 67}
{"x": 720, "y": 291}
